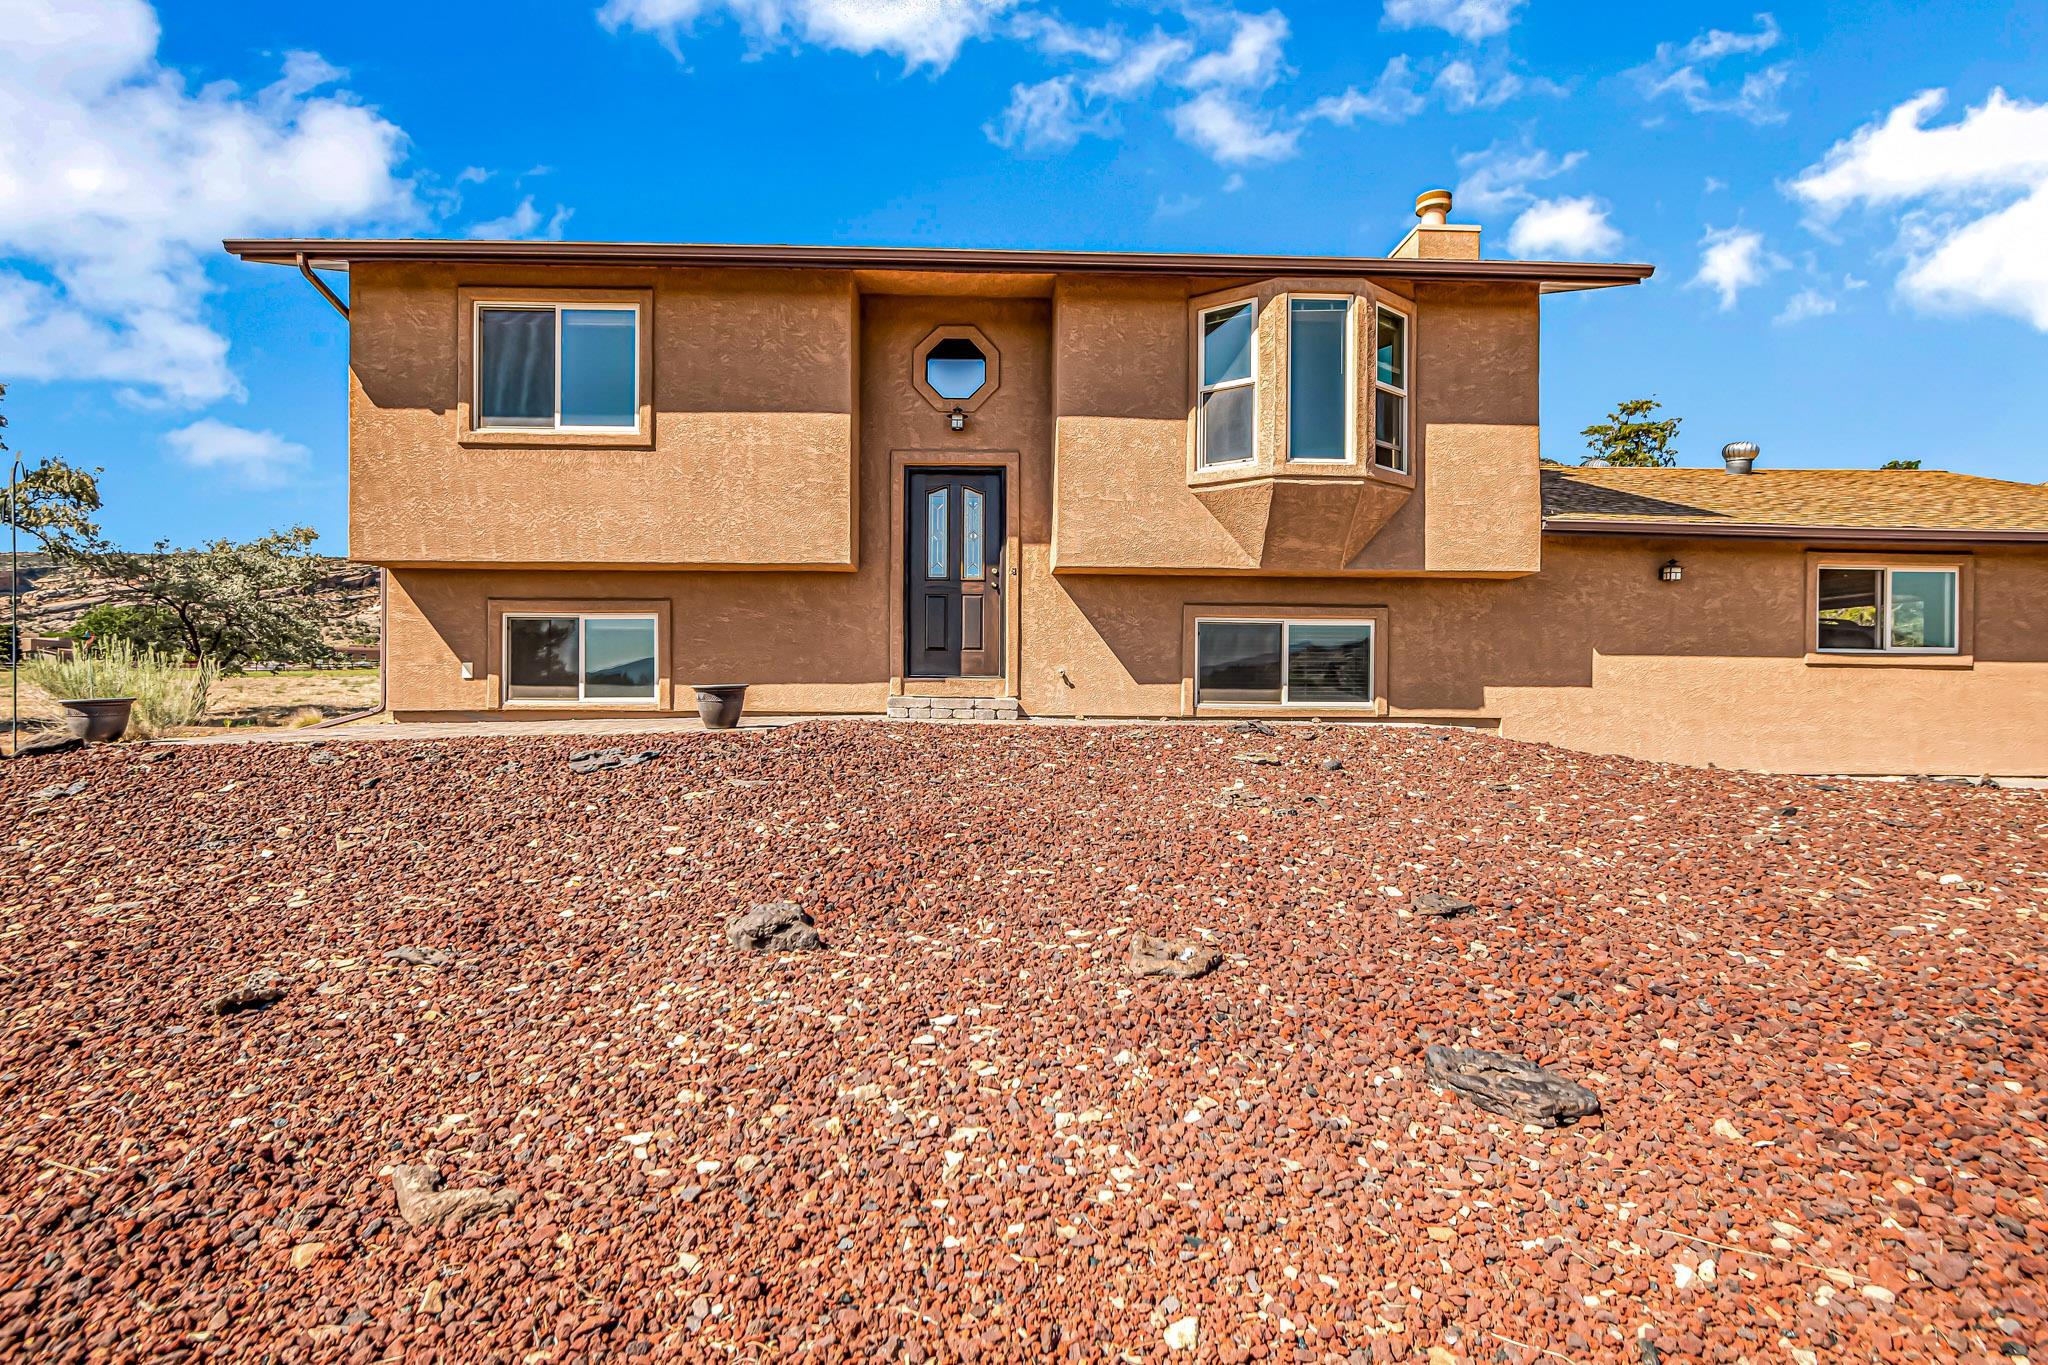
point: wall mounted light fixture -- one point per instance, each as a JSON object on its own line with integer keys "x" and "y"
{"x": 957, "y": 418}
{"x": 1671, "y": 573}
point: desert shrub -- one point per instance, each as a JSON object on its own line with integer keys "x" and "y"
{"x": 145, "y": 626}
{"x": 167, "y": 693}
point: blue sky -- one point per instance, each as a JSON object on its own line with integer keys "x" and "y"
{"x": 1847, "y": 204}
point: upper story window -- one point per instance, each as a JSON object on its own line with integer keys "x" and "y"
{"x": 1229, "y": 398}
{"x": 955, "y": 368}
{"x": 1887, "y": 610}
{"x": 1319, "y": 388}
{"x": 558, "y": 367}
{"x": 1390, "y": 393}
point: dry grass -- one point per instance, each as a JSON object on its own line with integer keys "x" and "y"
{"x": 252, "y": 701}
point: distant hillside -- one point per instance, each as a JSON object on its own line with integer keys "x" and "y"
{"x": 52, "y": 597}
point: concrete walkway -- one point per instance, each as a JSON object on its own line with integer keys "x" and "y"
{"x": 372, "y": 730}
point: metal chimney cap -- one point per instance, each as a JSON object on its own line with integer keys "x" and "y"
{"x": 1739, "y": 456}
{"x": 1433, "y": 206}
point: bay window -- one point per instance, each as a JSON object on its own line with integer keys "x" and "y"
{"x": 1229, "y": 397}
{"x": 1319, "y": 388}
{"x": 1390, "y": 392}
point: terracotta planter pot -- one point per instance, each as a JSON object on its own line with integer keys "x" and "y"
{"x": 97, "y": 720}
{"x": 719, "y": 704}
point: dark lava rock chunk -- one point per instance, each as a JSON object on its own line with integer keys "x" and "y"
{"x": 599, "y": 760}
{"x": 1505, "y": 1084}
{"x": 1439, "y": 905}
{"x": 774, "y": 927}
{"x": 55, "y": 742}
{"x": 1181, "y": 958}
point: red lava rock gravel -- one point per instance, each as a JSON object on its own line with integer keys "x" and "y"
{"x": 1812, "y": 1013}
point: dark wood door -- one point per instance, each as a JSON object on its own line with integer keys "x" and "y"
{"x": 953, "y": 564}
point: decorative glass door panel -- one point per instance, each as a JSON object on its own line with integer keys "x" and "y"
{"x": 953, "y": 603}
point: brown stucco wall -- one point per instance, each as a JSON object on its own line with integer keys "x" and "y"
{"x": 766, "y": 466}
{"x": 1130, "y": 499}
{"x": 750, "y": 460}
{"x": 1593, "y": 653}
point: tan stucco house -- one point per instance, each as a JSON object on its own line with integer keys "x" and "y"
{"x": 1117, "y": 484}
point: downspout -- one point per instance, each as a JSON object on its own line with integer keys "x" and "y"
{"x": 321, "y": 285}
{"x": 383, "y": 575}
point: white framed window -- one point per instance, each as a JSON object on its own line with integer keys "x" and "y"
{"x": 1886, "y": 609}
{"x": 1251, "y": 661}
{"x": 581, "y": 658}
{"x": 1230, "y": 387}
{"x": 569, "y": 367}
{"x": 1390, "y": 389}
{"x": 1320, "y": 392}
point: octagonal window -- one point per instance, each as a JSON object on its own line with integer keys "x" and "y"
{"x": 955, "y": 368}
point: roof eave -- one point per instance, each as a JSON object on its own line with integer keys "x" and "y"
{"x": 1862, "y": 535}
{"x": 338, "y": 254}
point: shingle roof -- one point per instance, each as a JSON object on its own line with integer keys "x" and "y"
{"x": 1790, "y": 501}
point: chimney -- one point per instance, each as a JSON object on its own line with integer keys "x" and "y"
{"x": 1739, "y": 456}
{"x": 1434, "y": 238}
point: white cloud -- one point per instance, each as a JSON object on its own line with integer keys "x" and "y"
{"x": 1055, "y": 37}
{"x": 1717, "y": 43}
{"x": 1974, "y": 195}
{"x": 2000, "y": 145}
{"x": 919, "y": 32}
{"x": 1563, "y": 229}
{"x": 1500, "y": 176}
{"x": 1045, "y": 116}
{"x": 1468, "y": 19}
{"x": 1807, "y": 303}
{"x": 254, "y": 459}
{"x": 1676, "y": 70}
{"x": 524, "y": 222}
{"x": 1393, "y": 97}
{"x": 1140, "y": 67}
{"x": 1232, "y": 133}
{"x": 1463, "y": 89}
{"x": 1250, "y": 61}
{"x": 117, "y": 182}
{"x": 1731, "y": 260}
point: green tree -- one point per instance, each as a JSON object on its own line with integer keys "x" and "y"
{"x": 233, "y": 602}
{"x": 1900, "y": 464}
{"x": 54, "y": 501}
{"x": 145, "y": 627}
{"x": 1631, "y": 437}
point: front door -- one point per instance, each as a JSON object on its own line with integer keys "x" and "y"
{"x": 952, "y": 561}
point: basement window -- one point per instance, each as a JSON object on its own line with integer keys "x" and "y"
{"x": 580, "y": 659}
{"x": 1879, "y": 610}
{"x": 558, "y": 367}
{"x": 1229, "y": 397}
{"x": 1321, "y": 663}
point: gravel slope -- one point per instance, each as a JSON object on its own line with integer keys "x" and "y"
{"x": 1814, "y": 1015}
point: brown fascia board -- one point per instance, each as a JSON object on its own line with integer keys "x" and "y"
{"x": 336, "y": 254}
{"x": 1860, "y": 535}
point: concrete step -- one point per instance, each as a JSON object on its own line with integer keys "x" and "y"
{"x": 954, "y": 708}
